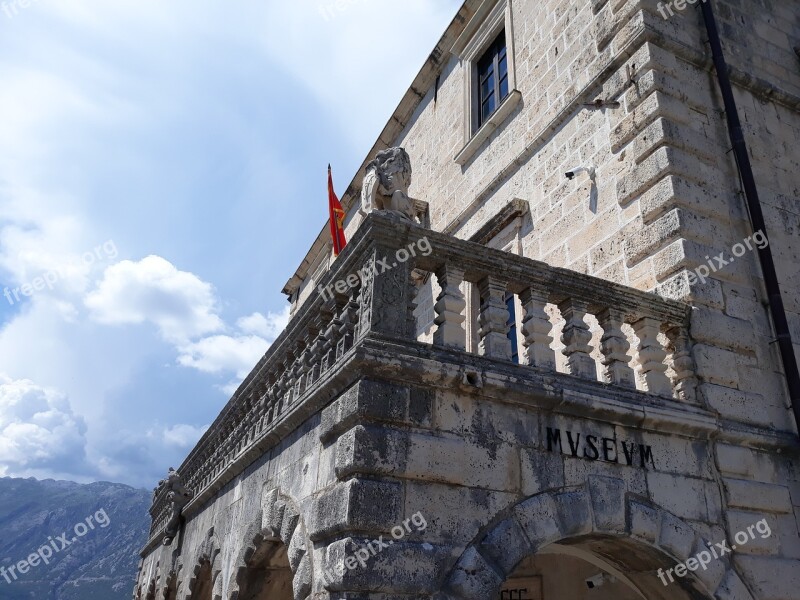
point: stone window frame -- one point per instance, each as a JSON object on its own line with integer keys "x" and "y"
{"x": 491, "y": 18}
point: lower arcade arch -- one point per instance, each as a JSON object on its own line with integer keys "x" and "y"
{"x": 591, "y": 569}
{"x": 591, "y": 542}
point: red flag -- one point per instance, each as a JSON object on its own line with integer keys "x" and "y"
{"x": 337, "y": 217}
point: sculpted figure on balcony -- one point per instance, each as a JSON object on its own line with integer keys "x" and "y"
{"x": 386, "y": 184}
{"x": 179, "y": 496}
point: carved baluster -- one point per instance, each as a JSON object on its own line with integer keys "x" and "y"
{"x": 415, "y": 282}
{"x": 269, "y": 407}
{"x": 536, "y": 328}
{"x": 349, "y": 320}
{"x": 298, "y": 369}
{"x": 449, "y": 308}
{"x": 282, "y": 391}
{"x": 247, "y": 419}
{"x": 652, "y": 356}
{"x": 321, "y": 345}
{"x": 287, "y": 381}
{"x": 615, "y": 348}
{"x": 493, "y": 319}
{"x": 310, "y": 356}
{"x": 253, "y": 415}
{"x": 261, "y": 408}
{"x": 576, "y": 337}
{"x": 683, "y": 364}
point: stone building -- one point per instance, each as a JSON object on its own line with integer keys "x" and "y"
{"x": 549, "y": 368}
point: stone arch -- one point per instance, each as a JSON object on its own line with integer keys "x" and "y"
{"x": 601, "y": 511}
{"x": 279, "y": 533}
{"x": 205, "y": 582}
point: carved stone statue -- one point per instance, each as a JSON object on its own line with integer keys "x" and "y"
{"x": 386, "y": 184}
{"x": 179, "y": 496}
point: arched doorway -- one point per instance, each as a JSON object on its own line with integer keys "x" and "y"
{"x": 267, "y": 574}
{"x": 590, "y": 542}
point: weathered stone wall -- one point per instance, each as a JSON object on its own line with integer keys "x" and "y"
{"x": 476, "y": 468}
{"x": 223, "y": 531}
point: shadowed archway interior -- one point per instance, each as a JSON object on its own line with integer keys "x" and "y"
{"x": 596, "y": 568}
{"x": 267, "y": 575}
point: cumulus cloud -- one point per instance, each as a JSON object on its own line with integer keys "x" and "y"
{"x": 180, "y": 304}
{"x": 268, "y": 327}
{"x": 182, "y": 436}
{"x": 237, "y": 353}
{"x": 220, "y": 353}
{"x": 38, "y": 430}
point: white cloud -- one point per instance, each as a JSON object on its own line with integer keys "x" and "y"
{"x": 268, "y": 327}
{"x": 223, "y": 353}
{"x": 183, "y": 436}
{"x": 38, "y": 430}
{"x": 119, "y": 135}
{"x": 152, "y": 290}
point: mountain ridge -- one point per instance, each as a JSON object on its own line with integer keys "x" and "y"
{"x": 70, "y": 541}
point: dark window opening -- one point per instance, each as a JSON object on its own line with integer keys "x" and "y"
{"x": 512, "y": 327}
{"x": 492, "y": 78}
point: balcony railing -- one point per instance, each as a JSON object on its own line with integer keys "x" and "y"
{"x": 370, "y": 294}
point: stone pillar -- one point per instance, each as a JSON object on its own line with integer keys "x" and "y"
{"x": 493, "y": 319}
{"x": 652, "y": 357}
{"x": 536, "y": 328}
{"x": 683, "y": 364}
{"x": 449, "y": 308}
{"x": 615, "y": 348}
{"x": 576, "y": 337}
{"x": 385, "y": 294}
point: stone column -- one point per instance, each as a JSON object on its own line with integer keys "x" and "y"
{"x": 615, "y": 348}
{"x": 652, "y": 357}
{"x": 683, "y": 364}
{"x": 576, "y": 337}
{"x": 385, "y": 295}
{"x": 536, "y": 328}
{"x": 493, "y": 319}
{"x": 449, "y": 308}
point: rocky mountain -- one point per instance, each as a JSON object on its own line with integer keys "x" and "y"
{"x": 68, "y": 541}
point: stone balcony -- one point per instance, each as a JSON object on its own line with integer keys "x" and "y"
{"x": 365, "y": 327}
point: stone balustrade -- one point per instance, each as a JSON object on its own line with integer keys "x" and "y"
{"x": 369, "y": 295}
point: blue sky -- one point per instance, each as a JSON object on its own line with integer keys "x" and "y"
{"x": 162, "y": 173}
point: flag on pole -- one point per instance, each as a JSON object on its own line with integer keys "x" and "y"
{"x": 337, "y": 217}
